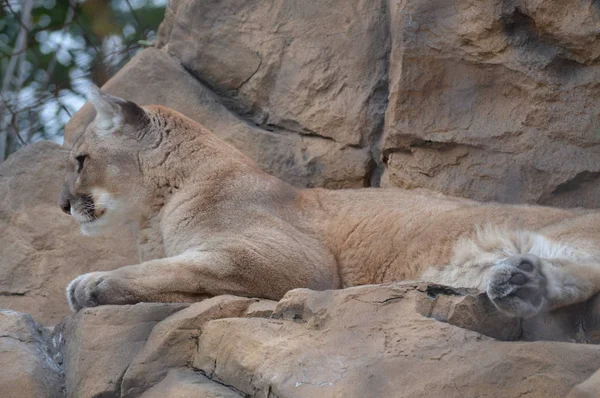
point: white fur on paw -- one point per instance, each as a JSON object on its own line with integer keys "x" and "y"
{"x": 517, "y": 286}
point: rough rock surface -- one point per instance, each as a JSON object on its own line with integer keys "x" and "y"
{"x": 172, "y": 342}
{"x": 28, "y": 368}
{"x": 99, "y": 344}
{"x": 377, "y": 340}
{"x": 318, "y": 69}
{"x": 41, "y": 249}
{"x": 495, "y": 100}
{"x": 369, "y": 341}
{"x": 184, "y": 383}
{"x": 491, "y": 100}
{"x": 588, "y": 389}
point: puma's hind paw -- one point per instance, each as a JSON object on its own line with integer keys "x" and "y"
{"x": 517, "y": 286}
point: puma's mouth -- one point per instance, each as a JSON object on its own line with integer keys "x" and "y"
{"x": 87, "y": 213}
{"x": 97, "y": 213}
{"x": 90, "y": 220}
{"x": 93, "y": 223}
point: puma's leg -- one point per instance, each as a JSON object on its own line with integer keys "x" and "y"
{"x": 184, "y": 278}
{"x": 522, "y": 285}
{"x": 198, "y": 274}
{"x": 173, "y": 279}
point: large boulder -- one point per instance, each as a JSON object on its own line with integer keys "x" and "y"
{"x": 185, "y": 383}
{"x": 41, "y": 249}
{"x": 317, "y": 68}
{"x": 495, "y": 100}
{"x": 588, "y": 389}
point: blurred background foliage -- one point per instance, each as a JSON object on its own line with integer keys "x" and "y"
{"x": 52, "y": 50}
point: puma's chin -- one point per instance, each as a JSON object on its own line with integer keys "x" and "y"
{"x": 98, "y": 225}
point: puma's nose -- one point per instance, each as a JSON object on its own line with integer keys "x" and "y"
{"x": 66, "y": 207}
{"x": 65, "y": 203}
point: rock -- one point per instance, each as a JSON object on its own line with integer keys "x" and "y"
{"x": 588, "y": 389}
{"x": 472, "y": 310}
{"x": 304, "y": 68}
{"x": 173, "y": 341}
{"x": 491, "y": 100}
{"x": 370, "y": 341}
{"x": 41, "y": 249}
{"x": 376, "y": 340}
{"x": 467, "y": 309}
{"x": 100, "y": 343}
{"x": 495, "y": 100}
{"x": 154, "y": 77}
{"x": 188, "y": 384}
{"x": 28, "y": 369}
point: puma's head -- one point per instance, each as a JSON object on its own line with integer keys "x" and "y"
{"x": 103, "y": 185}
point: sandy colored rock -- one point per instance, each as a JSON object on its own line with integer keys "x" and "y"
{"x": 41, "y": 248}
{"x": 370, "y": 341}
{"x": 316, "y": 69}
{"x": 28, "y": 369}
{"x": 588, "y": 389}
{"x": 188, "y": 384}
{"x": 495, "y": 100}
{"x": 492, "y": 100}
{"x": 154, "y": 77}
{"x": 173, "y": 341}
{"x": 469, "y": 309}
{"x": 100, "y": 343}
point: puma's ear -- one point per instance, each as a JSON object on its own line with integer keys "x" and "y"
{"x": 113, "y": 113}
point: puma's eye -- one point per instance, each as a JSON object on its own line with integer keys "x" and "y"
{"x": 80, "y": 161}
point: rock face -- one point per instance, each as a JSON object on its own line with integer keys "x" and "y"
{"x": 173, "y": 342}
{"x": 491, "y": 100}
{"x": 495, "y": 100}
{"x": 99, "y": 343}
{"x": 183, "y": 383}
{"x": 309, "y": 69}
{"x": 370, "y": 341}
{"x": 144, "y": 349}
{"x": 28, "y": 367}
{"x": 587, "y": 389}
{"x": 398, "y": 340}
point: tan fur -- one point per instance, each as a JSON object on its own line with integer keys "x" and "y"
{"x": 229, "y": 228}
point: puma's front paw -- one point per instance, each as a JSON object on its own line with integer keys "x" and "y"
{"x": 517, "y": 286}
{"x": 87, "y": 290}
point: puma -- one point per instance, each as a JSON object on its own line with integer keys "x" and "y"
{"x": 229, "y": 228}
